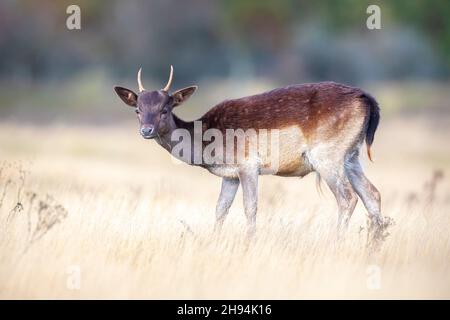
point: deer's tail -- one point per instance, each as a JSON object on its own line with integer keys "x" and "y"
{"x": 374, "y": 119}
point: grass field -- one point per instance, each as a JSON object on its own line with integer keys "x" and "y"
{"x": 103, "y": 213}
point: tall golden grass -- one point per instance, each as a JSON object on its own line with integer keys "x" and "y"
{"x": 101, "y": 213}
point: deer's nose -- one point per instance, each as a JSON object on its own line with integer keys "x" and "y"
{"x": 147, "y": 132}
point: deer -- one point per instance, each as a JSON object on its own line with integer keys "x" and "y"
{"x": 322, "y": 127}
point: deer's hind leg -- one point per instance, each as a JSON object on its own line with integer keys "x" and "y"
{"x": 369, "y": 195}
{"x": 339, "y": 184}
{"x": 248, "y": 177}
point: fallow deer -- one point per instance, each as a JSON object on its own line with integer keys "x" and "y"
{"x": 322, "y": 127}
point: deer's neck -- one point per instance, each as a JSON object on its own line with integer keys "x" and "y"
{"x": 185, "y": 127}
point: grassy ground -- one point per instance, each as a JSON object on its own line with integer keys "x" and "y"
{"x": 105, "y": 214}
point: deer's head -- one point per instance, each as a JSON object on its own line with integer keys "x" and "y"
{"x": 154, "y": 108}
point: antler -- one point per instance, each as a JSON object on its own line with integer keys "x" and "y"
{"x": 141, "y": 87}
{"x": 167, "y": 87}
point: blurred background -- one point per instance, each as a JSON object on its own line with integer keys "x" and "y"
{"x": 229, "y": 48}
{"x": 80, "y": 187}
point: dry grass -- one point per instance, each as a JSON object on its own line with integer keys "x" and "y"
{"x": 114, "y": 207}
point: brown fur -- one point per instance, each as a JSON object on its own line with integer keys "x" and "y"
{"x": 308, "y": 106}
{"x": 322, "y": 111}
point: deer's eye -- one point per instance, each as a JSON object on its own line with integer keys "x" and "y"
{"x": 136, "y": 110}
{"x": 164, "y": 112}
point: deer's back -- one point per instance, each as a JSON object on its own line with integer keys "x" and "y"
{"x": 303, "y": 105}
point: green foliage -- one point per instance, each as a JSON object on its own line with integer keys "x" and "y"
{"x": 244, "y": 37}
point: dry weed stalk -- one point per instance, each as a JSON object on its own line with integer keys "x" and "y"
{"x": 425, "y": 201}
{"x": 187, "y": 228}
{"x": 430, "y": 187}
{"x": 49, "y": 213}
{"x": 31, "y": 196}
{"x": 378, "y": 233}
{"x": 19, "y": 206}
{"x": 4, "y": 166}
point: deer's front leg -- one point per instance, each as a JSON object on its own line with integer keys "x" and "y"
{"x": 249, "y": 180}
{"x": 226, "y": 197}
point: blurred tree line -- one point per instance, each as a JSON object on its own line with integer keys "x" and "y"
{"x": 287, "y": 40}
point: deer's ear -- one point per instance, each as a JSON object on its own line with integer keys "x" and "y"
{"x": 182, "y": 95}
{"x": 127, "y": 96}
